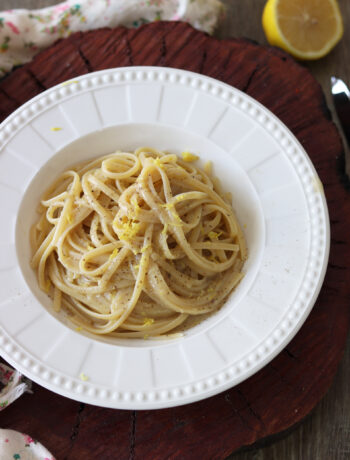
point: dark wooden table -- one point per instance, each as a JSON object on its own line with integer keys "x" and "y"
{"x": 325, "y": 434}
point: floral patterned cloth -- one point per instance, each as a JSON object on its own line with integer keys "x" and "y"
{"x": 12, "y": 386}
{"x": 15, "y": 445}
{"x": 23, "y": 33}
{"x": 20, "y": 446}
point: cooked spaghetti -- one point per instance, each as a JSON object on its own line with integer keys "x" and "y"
{"x": 135, "y": 244}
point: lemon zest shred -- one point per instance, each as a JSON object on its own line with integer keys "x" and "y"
{"x": 174, "y": 224}
{"x": 56, "y": 128}
{"x": 83, "y": 377}
{"x": 135, "y": 204}
{"x": 189, "y": 157}
{"x": 78, "y": 329}
{"x": 143, "y": 262}
{"x": 148, "y": 321}
{"x": 144, "y": 249}
{"x": 176, "y": 216}
{"x": 180, "y": 197}
{"x": 69, "y": 82}
{"x": 128, "y": 229}
{"x": 114, "y": 254}
{"x": 214, "y": 235}
{"x": 158, "y": 162}
{"x": 167, "y": 205}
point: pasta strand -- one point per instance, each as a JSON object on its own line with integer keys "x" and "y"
{"x": 137, "y": 244}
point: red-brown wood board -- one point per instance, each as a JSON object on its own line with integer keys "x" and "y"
{"x": 286, "y": 390}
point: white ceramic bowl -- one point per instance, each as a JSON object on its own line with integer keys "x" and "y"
{"x": 277, "y": 196}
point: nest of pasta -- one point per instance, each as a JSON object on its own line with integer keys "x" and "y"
{"x": 137, "y": 244}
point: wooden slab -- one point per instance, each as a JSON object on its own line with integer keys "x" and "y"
{"x": 286, "y": 390}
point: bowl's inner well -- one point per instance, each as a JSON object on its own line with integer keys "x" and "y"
{"x": 128, "y": 137}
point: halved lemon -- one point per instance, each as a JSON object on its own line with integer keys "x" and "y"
{"x": 307, "y": 29}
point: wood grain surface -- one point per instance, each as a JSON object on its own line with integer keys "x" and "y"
{"x": 325, "y": 435}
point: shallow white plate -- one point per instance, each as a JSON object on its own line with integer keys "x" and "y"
{"x": 276, "y": 193}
